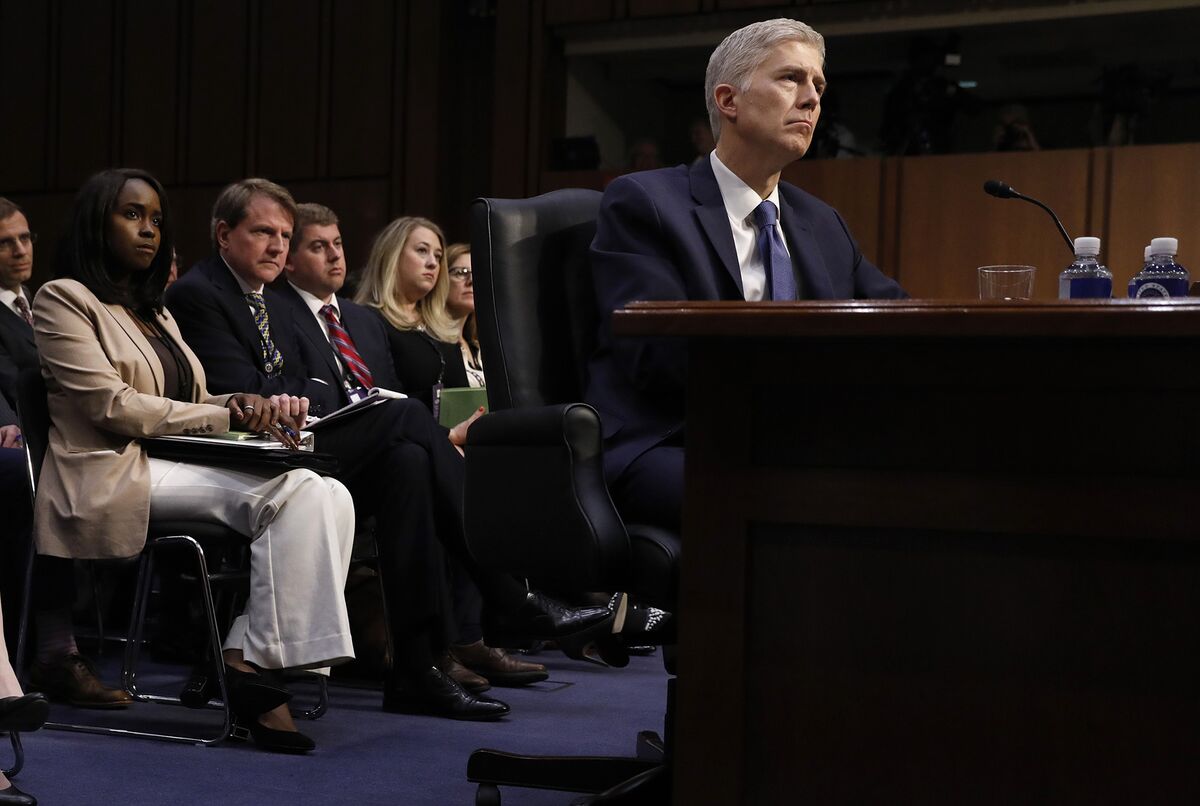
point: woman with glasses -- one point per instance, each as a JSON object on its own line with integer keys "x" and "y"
{"x": 460, "y": 304}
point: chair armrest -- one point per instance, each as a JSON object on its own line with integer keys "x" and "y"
{"x": 535, "y": 501}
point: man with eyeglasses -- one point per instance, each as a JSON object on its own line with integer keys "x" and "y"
{"x": 17, "y": 349}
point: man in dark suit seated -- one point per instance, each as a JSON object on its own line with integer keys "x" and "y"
{"x": 398, "y": 463}
{"x": 60, "y": 671}
{"x": 346, "y": 345}
{"x": 723, "y": 228}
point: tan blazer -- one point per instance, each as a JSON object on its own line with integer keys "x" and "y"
{"x": 105, "y": 387}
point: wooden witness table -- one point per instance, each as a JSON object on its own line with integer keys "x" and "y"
{"x": 938, "y": 552}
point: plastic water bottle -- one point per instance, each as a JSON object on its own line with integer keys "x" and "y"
{"x": 1162, "y": 276}
{"x": 1085, "y": 278}
{"x": 1132, "y": 292}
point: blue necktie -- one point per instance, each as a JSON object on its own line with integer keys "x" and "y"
{"x": 781, "y": 283}
{"x": 272, "y": 360}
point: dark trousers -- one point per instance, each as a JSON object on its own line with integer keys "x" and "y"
{"x": 400, "y": 467}
{"x": 650, "y": 491}
{"x": 17, "y": 542}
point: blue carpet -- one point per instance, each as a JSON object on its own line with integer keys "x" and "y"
{"x": 363, "y": 756}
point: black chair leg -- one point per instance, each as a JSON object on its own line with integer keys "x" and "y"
{"x": 18, "y": 755}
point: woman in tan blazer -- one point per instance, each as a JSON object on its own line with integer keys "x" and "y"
{"x": 116, "y": 369}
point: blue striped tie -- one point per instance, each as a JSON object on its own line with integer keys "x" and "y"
{"x": 781, "y": 283}
{"x": 272, "y": 360}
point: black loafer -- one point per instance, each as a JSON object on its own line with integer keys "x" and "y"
{"x": 25, "y": 713}
{"x": 541, "y": 618}
{"x": 434, "y": 693}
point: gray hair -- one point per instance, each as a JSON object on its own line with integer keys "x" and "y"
{"x": 744, "y": 50}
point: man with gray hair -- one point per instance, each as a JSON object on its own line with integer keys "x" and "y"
{"x": 723, "y": 228}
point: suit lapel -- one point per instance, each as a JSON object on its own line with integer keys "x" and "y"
{"x": 310, "y": 329}
{"x": 125, "y": 321}
{"x": 235, "y": 305}
{"x": 13, "y": 321}
{"x": 714, "y": 220}
{"x": 806, "y": 254}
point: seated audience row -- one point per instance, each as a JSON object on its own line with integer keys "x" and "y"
{"x": 220, "y": 349}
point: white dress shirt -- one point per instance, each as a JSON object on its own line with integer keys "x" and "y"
{"x": 8, "y": 299}
{"x": 740, "y": 202}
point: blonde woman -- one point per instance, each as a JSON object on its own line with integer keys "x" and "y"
{"x": 406, "y": 282}
{"x": 460, "y": 304}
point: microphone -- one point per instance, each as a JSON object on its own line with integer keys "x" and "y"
{"x": 1002, "y": 190}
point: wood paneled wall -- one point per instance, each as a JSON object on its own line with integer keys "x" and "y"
{"x": 927, "y": 221}
{"x": 343, "y": 101}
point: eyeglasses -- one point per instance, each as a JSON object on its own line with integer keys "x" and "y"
{"x": 460, "y": 273}
{"x": 9, "y": 245}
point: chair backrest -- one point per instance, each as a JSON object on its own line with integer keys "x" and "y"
{"x": 530, "y": 261}
{"x": 535, "y": 500}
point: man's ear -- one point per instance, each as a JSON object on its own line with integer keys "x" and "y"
{"x": 726, "y": 97}
{"x": 222, "y": 234}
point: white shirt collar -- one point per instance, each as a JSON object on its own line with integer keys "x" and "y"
{"x": 315, "y": 304}
{"x": 8, "y": 297}
{"x": 242, "y": 284}
{"x": 740, "y": 199}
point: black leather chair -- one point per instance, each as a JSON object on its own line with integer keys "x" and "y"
{"x": 536, "y": 503}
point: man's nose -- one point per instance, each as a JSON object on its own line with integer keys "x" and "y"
{"x": 277, "y": 243}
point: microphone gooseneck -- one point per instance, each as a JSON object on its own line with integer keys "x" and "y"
{"x": 1002, "y": 190}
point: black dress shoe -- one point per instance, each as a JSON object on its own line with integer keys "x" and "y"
{"x": 25, "y": 713}
{"x": 272, "y": 740}
{"x": 251, "y": 695}
{"x": 541, "y": 617}
{"x": 15, "y": 797}
{"x": 433, "y": 693}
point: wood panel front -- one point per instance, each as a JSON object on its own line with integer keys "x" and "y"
{"x": 934, "y": 574}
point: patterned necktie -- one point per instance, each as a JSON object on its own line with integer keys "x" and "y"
{"x": 272, "y": 360}
{"x": 23, "y": 309}
{"x": 345, "y": 348}
{"x": 781, "y": 283}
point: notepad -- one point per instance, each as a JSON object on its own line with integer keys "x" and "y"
{"x": 459, "y": 403}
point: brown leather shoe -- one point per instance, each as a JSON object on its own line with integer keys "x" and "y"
{"x": 72, "y": 679}
{"x": 460, "y": 674}
{"x": 500, "y": 667}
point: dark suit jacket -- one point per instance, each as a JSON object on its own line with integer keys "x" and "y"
{"x": 216, "y": 323}
{"x": 365, "y": 329}
{"x": 17, "y": 351}
{"x": 664, "y": 235}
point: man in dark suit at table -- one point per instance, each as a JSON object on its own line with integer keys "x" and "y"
{"x": 396, "y": 461}
{"x": 723, "y": 228}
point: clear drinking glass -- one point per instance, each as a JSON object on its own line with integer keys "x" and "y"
{"x": 1006, "y": 282}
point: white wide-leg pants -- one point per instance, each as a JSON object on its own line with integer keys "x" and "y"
{"x": 301, "y": 528}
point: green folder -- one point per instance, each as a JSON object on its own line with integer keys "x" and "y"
{"x": 459, "y": 403}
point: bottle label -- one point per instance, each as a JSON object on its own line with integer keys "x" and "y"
{"x": 1161, "y": 287}
{"x": 1090, "y": 288}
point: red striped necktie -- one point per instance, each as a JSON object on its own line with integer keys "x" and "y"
{"x": 345, "y": 348}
